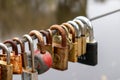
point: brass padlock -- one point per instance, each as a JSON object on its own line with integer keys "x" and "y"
{"x": 90, "y": 57}
{"x": 23, "y": 54}
{"x": 60, "y": 61}
{"x": 29, "y": 73}
{"x": 6, "y": 66}
{"x": 83, "y": 30}
{"x": 43, "y": 59}
{"x": 78, "y": 36}
{"x": 16, "y": 59}
{"x": 73, "y": 52}
{"x": 48, "y": 45}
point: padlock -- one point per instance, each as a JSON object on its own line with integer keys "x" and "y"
{"x": 15, "y": 58}
{"x": 29, "y": 73}
{"x": 73, "y": 52}
{"x": 60, "y": 61}
{"x": 90, "y": 57}
{"x": 78, "y": 36}
{"x": 83, "y": 30}
{"x": 48, "y": 45}
{"x": 23, "y": 54}
{"x": 6, "y": 66}
{"x": 43, "y": 59}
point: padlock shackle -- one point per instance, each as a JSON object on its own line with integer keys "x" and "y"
{"x": 7, "y": 51}
{"x": 81, "y": 26}
{"x": 76, "y": 27}
{"x": 13, "y": 45}
{"x": 31, "y": 47}
{"x": 40, "y": 40}
{"x": 61, "y": 32}
{"x": 72, "y": 30}
{"x": 50, "y": 36}
{"x": 89, "y": 26}
{"x": 19, "y": 42}
{"x": 45, "y": 33}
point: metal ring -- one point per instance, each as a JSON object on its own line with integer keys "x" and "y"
{"x": 78, "y": 34}
{"x": 5, "y": 48}
{"x": 30, "y": 41}
{"x": 81, "y": 26}
{"x": 89, "y": 25}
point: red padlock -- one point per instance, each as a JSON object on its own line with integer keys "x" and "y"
{"x": 43, "y": 59}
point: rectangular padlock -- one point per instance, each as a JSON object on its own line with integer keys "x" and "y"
{"x": 6, "y": 66}
{"x": 60, "y": 60}
{"x": 78, "y": 38}
{"x": 72, "y": 57}
{"x": 30, "y": 73}
{"x": 16, "y": 58}
{"x": 90, "y": 57}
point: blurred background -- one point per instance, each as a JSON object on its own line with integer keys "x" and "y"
{"x": 18, "y": 17}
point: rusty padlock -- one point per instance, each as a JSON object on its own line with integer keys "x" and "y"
{"x": 78, "y": 36}
{"x": 48, "y": 46}
{"x": 83, "y": 30}
{"x": 43, "y": 59}
{"x": 73, "y": 52}
{"x": 90, "y": 57}
{"x": 23, "y": 54}
{"x": 60, "y": 60}
{"x": 29, "y": 73}
{"x": 6, "y": 66}
{"x": 16, "y": 59}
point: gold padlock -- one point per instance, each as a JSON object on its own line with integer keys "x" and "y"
{"x": 16, "y": 58}
{"x": 73, "y": 52}
{"x": 6, "y": 66}
{"x": 60, "y": 60}
{"x": 78, "y": 38}
{"x": 83, "y": 35}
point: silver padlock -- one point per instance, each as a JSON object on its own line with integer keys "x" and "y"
{"x": 30, "y": 73}
{"x": 83, "y": 35}
{"x": 90, "y": 57}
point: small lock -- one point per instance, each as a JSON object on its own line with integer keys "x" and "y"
{"x": 16, "y": 59}
{"x": 60, "y": 60}
{"x": 83, "y": 35}
{"x": 43, "y": 59}
{"x": 48, "y": 46}
{"x": 23, "y": 54}
{"x": 29, "y": 73}
{"x": 73, "y": 52}
{"x": 6, "y": 66}
{"x": 78, "y": 37}
{"x": 90, "y": 57}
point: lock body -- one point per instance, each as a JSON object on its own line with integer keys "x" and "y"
{"x": 73, "y": 53}
{"x": 79, "y": 43}
{"x": 27, "y": 75}
{"x": 83, "y": 45}
{"x": 90, "y": 58}
{"x": 60, "y": 58}
{"x": 6, "y": 70}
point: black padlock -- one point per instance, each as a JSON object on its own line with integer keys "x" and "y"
{"x": 90, "y": 57}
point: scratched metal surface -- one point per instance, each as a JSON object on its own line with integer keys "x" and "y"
{"x": 106, "y": 33}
